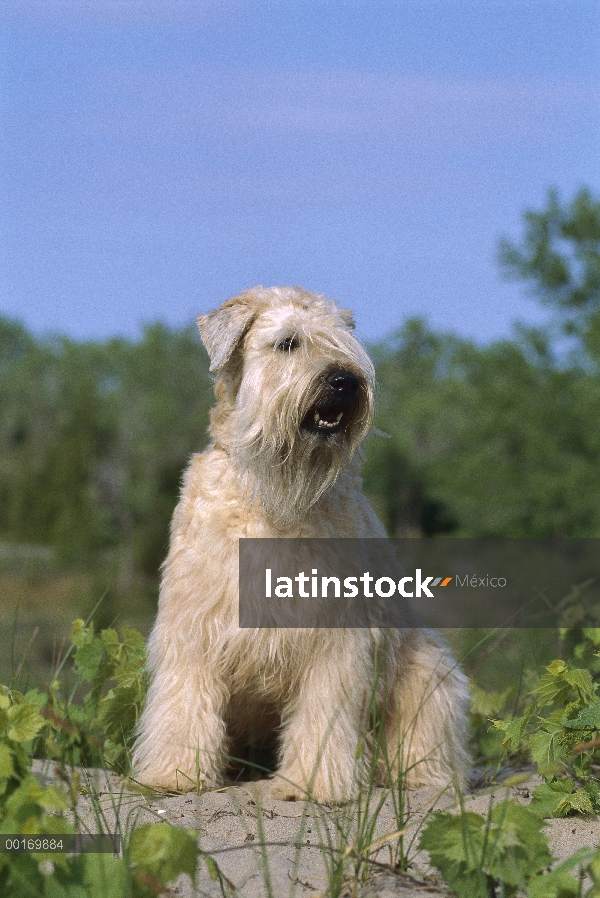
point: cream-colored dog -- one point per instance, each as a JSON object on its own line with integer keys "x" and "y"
{"x": 294, "y": 391}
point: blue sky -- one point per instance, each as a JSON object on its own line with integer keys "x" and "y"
{"x": 158, "y": 157}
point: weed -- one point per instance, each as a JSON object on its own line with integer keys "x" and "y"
{"x": 555, "y": 721}
{"x": 504, "y": 855}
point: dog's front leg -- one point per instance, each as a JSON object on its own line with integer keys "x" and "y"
{"x": 181, "y": 732}
{"x": 322, "y": 727}
{"x": 426, "y": 715}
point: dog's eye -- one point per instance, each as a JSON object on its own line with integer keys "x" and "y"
{"x": 288, "y": 344}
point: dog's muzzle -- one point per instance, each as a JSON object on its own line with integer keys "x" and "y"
{"x": 337, "y": 401}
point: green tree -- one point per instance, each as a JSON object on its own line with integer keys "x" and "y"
{"x": 500, "y": 440}
{"x": 559, "y": 257}
{"x": 160, "y": 392}
{"x": 484, "y": 441}
{"x": 93, "y": 440}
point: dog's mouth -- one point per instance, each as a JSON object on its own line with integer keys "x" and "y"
{"x": 324, "y": 420}
{"x": 336, "y": 405}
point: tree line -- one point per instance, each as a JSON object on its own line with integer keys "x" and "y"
{"x": 497, "y": 440}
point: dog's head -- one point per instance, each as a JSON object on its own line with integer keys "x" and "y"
{"x": 294, "y": 388}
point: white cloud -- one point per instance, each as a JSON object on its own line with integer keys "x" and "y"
{"x": 408, "y": 111}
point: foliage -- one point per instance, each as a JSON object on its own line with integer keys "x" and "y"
{"x": 158, "y": 853}
{"x": 93, "y": 438}
{"x": 484, "y": 440}
{"x": 505, "y": 854}
{"x": 560, "y": 258}
{"x": 98, "y": 730}
{"x": 107, "y": 661}
{"x": 582, "y": 644}
{"x": 558, "y": 727}
{"x": 485, "y": 705}
{"x": 154, "y": 855}
{"x": 497, "y": 440}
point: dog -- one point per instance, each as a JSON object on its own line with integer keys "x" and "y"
{"x": 294, "y": 399}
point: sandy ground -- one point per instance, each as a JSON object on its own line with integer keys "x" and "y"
{"x": 293, "y": 845}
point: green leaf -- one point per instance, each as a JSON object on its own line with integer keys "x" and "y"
{"x": 104, "y": 876}
{"x": 24, "y": 723}
{"x": 519, "y": 831}
{"x": 556, "y": 668}
{"x": 594, "y": 868}
{"x": 593, "y": 790}
{"x": 478, "y": 857}
{"x": 30, "y": 801}
{"x": 562, "y": 683}
{"x": 554, "y": 885}
{"x": 581, "y": 802}
{"x": 134, "y": 640}
{"x": 36, "y": 698}
{"x": 513, "y": 730}
{"x": 6, "y": 762}
{"x": 548, "y": 796}
{"x": 456, "y": 845}
{"x": 588, "y": 718}
{"x": 164, "y": 851}
{"x": 542, "y": 746}
{"x": 110, "y": 638}
{"x": 581, "y": 680}
{"x": 558, "y": 883}
{"x": 559, "y": 798}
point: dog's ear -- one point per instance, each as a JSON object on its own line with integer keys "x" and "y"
{"x": 221, "y": 331}
{"x": 348, "y": 318}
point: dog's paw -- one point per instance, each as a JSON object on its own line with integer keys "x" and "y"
{"x": 291, "y": 789}
{"x": 174, "y": 780}
{"x": 281, "y": 790}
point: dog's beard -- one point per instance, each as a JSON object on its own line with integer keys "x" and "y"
{"x": 286, "y": 469}
{"x": 288, "y": 483}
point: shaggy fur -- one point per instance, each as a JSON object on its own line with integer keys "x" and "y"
{"x": 294, "y": 391}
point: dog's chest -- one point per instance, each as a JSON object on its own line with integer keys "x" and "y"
{"x": 267, "y": 662}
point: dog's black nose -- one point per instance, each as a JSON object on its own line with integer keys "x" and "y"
{"x": 344, "y": 383}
